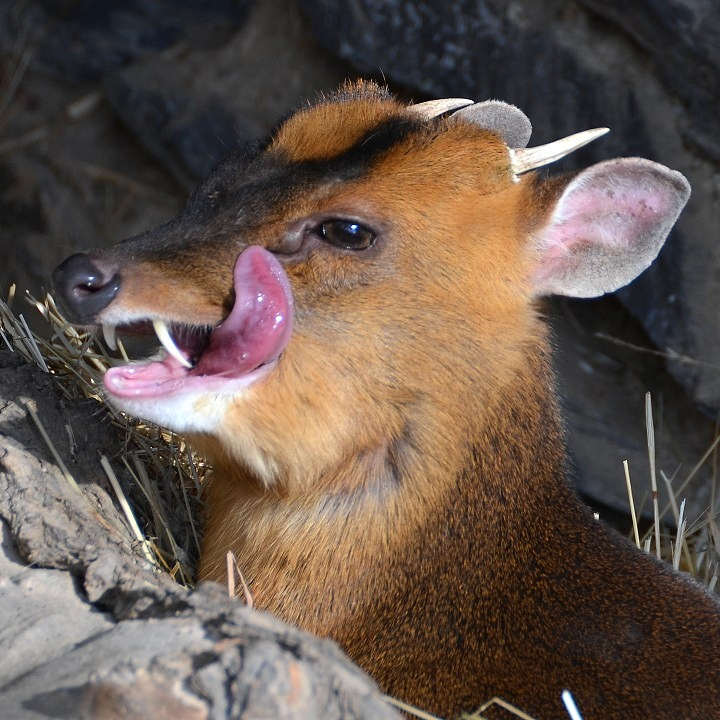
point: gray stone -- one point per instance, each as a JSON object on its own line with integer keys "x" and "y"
{"x": 84, "y": 41}
{"x": 189, "y": 110}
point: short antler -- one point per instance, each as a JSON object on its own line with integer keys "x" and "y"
{"x": 512, "y": 125}
{"x": 433, "y": 108}
{"x": 525, "y": 159}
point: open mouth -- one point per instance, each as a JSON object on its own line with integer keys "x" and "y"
{"x": 243, "y": 347}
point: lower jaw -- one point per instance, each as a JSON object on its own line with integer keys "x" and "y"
{"x": 191, "y": 406}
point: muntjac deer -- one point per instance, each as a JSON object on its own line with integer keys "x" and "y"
{"x": 351, "y": 332}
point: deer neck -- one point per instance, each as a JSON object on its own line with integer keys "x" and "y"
{"x": 466, "y": 493}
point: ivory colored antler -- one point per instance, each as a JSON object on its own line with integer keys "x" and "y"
{"x": 433, "y": 108}
{"x": 525, "y": 159}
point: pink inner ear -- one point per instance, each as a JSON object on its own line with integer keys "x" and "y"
{"x": 607, "y": 227}
{"x": 611, "y": 216}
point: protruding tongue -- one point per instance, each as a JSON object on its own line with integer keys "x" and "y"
{"x": 259, "y": 326}
{"x": 253, "y": 334}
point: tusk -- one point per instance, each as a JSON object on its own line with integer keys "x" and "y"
{"x": 108, "y": 332}
{"x": 163, "y": 334}
{"x": 433, "y": 108}
{"x": 524, "y": 159}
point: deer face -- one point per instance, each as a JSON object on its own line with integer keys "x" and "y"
{"x": 355, "y": 288}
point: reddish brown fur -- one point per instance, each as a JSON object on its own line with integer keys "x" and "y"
{"x": 397, "y": 483}
{"x": 305, "y": 136}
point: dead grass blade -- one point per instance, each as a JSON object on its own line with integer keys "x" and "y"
{"x": 162, "y": 480}
{"x": 570, "y": 706}
{"x": 653, "y": 477}
{"x": 631, "y": 501}
{"x": 694, "y": 545}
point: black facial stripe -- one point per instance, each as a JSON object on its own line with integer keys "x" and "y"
{"x": 251, "y": 183}
{"x": 354, "y": 161}
{"x": 269, "y": 179}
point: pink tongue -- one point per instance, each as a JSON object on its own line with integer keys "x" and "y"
{"x": 255, "y": 333}
{"x": 259, "y": 326}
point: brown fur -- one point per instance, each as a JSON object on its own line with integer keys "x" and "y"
{"x": 398, "y": 482}
{"x": 304, "y": 136}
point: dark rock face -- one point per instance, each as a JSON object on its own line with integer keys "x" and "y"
{"x": 91, "y": 631}
{"x": 683, "y": 40}
{"x": 84, "y": 40}
{"x": 188, "y": 137}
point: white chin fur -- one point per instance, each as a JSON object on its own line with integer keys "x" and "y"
{"x": 202, "y": 413}
{"x": 188, "y": 412}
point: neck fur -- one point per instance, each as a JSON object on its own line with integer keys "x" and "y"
{"x": 463, "y": 494}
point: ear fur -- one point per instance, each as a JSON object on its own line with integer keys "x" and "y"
{"x": 509, "y": 122}
{"x": 607, "y": 226}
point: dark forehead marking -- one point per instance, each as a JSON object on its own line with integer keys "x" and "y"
{"x": 256, "y": 181}
{"x": 253, "y": 180}
{"x": 367, "y": 150}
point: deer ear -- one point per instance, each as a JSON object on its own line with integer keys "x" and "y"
{"x": 607, "y": 226}
{"x": 509, "y": 122}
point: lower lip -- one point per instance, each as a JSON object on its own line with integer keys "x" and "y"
{"x": 165, "y": 378}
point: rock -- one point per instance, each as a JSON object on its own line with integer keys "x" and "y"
{"x": 602, "y": 385}
{"x": 190, "y": 108}
{"x": 86, "y": 184}
{"x": 185, "y": 134}
{"x": 568, "y": 69}
{"x": 91, "y": 631}
{"x": 84, "y": 40}
{"x": 678, "y": 35}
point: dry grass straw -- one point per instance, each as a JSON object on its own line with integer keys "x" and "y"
{"x": 162, "y": 503}
{"x": 689, "y": 546}
{"x": 496, "y": 702}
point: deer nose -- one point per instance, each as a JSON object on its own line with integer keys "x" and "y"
{"x": 85, "y": 286}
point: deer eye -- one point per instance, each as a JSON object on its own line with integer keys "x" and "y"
{"x": 346, "y": 234}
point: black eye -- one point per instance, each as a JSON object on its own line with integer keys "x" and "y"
{"x": 346, "y": 234}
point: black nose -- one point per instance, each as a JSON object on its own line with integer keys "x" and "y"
{"x": 84, "y": 287}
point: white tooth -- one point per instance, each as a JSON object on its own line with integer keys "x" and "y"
{"x": 109, "y": 335}
{"x": 161, "y": 330}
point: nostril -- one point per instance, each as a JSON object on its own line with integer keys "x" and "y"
{"x": 85, "y": 286}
